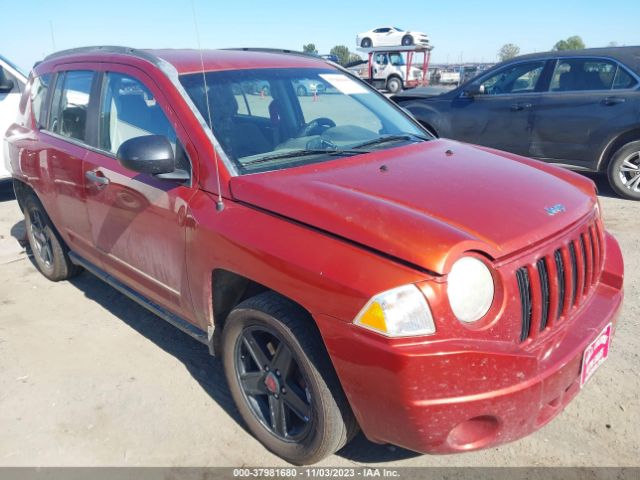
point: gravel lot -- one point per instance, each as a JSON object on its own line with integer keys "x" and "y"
{"x": 87, "y": 377}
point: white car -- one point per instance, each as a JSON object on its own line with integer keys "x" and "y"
{"x": 390, "y": 37}
{"x": 12, "y": 83}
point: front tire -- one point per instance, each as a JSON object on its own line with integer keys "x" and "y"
{"x": 407, "y": 41}
{"x": 624, "y": 171}
{"x": 282, "y": 381}
{"x": 366, "y": 43}
{"x": 48, "y": 249}
{"x": 394, "y": 85}
{"x": 301, "y": 91}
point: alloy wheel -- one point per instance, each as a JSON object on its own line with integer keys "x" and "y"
{"x": 273, "y": 384}
{"x": 629, "y": 172}
{"x": 41, "y": 240}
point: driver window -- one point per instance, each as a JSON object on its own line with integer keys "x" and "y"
{"x": 129, "y": 110}
{"x": 520, "y": 78}
{"x": 381, "y": 59}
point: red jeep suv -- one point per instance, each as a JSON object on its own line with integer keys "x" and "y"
{"x": 352, "y": 271}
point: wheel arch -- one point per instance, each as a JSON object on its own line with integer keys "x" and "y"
{"x": 615, "y": 144}
{"x": 228, "y": 290}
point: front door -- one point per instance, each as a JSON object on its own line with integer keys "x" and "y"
{"x": 137, "y": 220}
{"x": 500, "y": 115}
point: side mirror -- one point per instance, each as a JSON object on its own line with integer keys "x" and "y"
{"x": 151, "y": 154}
{"x": 7, "y": 86}
{"x": 473, "y": 90}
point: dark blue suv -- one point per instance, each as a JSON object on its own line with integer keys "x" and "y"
{"x": 579, "y": 109}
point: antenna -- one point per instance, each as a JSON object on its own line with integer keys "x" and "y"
{"x": 53, "y": 38}
{"x": 219, "y": 202}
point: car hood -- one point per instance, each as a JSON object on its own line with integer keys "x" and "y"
{"x": 426, "y": 203}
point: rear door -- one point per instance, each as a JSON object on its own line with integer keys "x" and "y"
{"x": 138, "y": 222}
{"x": 65, "y": 141}
{"x": 588, "y": 101}
{"x": 501, "y": 116}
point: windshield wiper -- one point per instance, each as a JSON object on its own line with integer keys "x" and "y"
{"x": 391, "y": 138}
{"x": 303, "y": 153}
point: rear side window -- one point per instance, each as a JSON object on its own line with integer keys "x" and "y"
{"x": 38, "y": 94}
{"x": 70, "y": 103}
{"x": 623, "y": 80}
{"x": 128, "y": 110}
{"x": 589, "y": 74}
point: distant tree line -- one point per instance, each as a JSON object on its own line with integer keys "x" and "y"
{"x": 345, "y": 56}
{"x": 510, "y": 50}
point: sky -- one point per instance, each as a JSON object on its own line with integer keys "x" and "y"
{"x": 459, "y": 29}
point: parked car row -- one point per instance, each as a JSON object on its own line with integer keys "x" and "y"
{"x": 578, "y": 109}
{"x": 352, "y": 271}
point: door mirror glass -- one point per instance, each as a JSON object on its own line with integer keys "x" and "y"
{"x": 152, "y": 154}
{"x": 473, "y": 90}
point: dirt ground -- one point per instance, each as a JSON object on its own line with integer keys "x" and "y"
{"x": 87, "y": 377}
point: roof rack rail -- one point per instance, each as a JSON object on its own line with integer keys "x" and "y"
{"x": 272, "y": 50}
{"x": 106, "y": 49}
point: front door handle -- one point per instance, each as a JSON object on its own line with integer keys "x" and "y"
{"x": 516, "y": 107}
{"x": 608, "y": 101}
{"x": 97, "y": 177}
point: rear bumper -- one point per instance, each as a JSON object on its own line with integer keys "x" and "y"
{"x": 409, "y": 394}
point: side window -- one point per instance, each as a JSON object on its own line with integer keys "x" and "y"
{"x": 577, "y": 74}
{"x": 128, "y": 110}
{"x": 623, "y": 79}
{"x": 70, "y": 103}
{"x": 381, "y": 59}
{"x": 38, "y": 95}
{"x": 520, "y": 78}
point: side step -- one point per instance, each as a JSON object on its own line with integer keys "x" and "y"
{"x": 153, "y": 307}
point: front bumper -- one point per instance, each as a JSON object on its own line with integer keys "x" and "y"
{"x": 408, "y": 393}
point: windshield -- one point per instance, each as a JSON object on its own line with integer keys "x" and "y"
{"x": 267, "y": 119}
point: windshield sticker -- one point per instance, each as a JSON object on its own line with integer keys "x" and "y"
{"x": 343, "y": 83}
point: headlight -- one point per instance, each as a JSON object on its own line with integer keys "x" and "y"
{"x": 399, "y": 312}
{"x": 470, "y": 289}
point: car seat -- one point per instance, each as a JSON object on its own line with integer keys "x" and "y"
{"x": 238, "y": 139}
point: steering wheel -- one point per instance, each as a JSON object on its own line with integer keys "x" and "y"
{"x": 316, "y": 127}
{"x": 319, "y": 143}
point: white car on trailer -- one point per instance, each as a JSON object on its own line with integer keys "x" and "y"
{"x": 390, "y": 37}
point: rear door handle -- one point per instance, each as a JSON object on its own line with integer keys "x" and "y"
{"x": 97, "y": 177}
{"x": 612, "y": 100}
{"x": 516, "y": 107}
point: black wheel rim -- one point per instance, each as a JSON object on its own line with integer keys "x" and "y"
{"x": 41, "y": 241}
{"x": 273, "y": 384}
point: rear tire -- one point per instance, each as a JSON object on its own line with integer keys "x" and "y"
{"x": 624, "y": 171}
{"x": 301, "y": 91}
{"x": 48, "y": 249}
{"x": 366, "y": 43}
{"x": 394, "y": 85}
{"x": 305, "y": 393}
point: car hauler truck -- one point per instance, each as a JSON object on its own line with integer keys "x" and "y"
{"x": 395, "y": 68}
